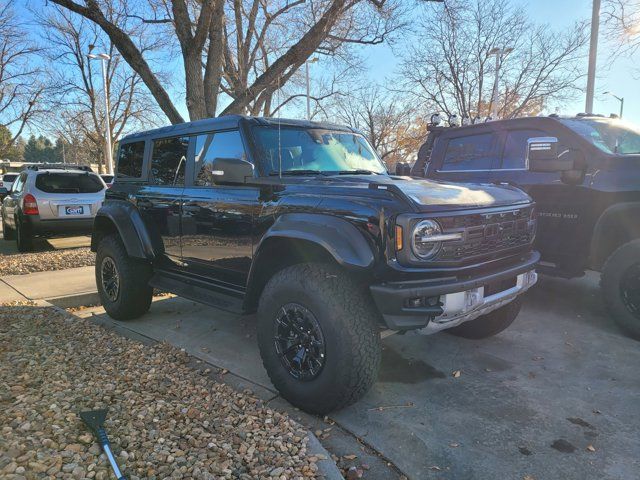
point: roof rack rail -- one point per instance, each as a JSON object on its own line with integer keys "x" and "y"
{"x": 59, "y": 166}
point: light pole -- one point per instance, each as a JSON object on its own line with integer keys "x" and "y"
{"x": 499, "y": 53}
{"x": 107, "y": 131}
{"x": 620, "y": 99}
{"x": 306, "y": 64}
{"x": 593, "y": 53}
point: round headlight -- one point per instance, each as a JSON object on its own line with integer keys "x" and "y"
{"x": 421, "y": 244}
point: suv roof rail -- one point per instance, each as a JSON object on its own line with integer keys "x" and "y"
{"x": 59, "y": 166}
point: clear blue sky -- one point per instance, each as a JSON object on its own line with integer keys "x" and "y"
{"x": 617, "y": 78}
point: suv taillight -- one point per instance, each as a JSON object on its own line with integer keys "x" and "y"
{"x": 29, "y": 205}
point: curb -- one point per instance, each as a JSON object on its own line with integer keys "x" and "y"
{"x": 75, "y": 300}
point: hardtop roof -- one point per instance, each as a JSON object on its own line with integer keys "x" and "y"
{"x": 228, "y": 122}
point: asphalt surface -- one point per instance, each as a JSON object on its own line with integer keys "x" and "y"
{"x": 557, "y": 395}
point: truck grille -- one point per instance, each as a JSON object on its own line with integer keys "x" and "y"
{"x": 487, "y": 234}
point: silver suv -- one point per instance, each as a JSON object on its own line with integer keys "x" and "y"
{"x": 51, "y": 200}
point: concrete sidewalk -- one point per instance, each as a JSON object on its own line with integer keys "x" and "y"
{"x": 65, "y": 288}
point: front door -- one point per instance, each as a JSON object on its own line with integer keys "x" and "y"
{"x": 217, "y": 220}
{"x": 562, "y": 208}
{"x": 159, "y": 201}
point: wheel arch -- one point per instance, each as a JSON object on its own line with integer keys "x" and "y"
{"x": 304, "y": 238}
{"x": 125, "y": 220}
{"x": 616, "y": 226}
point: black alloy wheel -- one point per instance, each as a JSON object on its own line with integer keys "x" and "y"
{"x": 110, "y": 278}
{"x": 299, "y": 342}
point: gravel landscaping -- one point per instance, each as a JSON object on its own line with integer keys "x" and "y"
{"x": 166, "y": 419}
{"x": 19, "y": 264}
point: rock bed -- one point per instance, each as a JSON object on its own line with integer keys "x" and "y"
{"x": 166, "y": 419}
{"x": 21, "y": 263}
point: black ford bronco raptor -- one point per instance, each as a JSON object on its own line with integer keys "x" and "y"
{"x": 301, "y": 222}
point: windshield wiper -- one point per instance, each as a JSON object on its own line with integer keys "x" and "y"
{"x": 295, "y": 172}
{"x": 358, "y": 172}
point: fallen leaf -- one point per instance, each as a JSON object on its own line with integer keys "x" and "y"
{"x": 537, "y": 358}
{"x": 528, "y": 477}
{"x": 457, "y": 373}
{"x": 350, "y": 457}
{"x": 435, "y": 467}
{"x": 454, "y": 445}
{"x": 591, "y": 448}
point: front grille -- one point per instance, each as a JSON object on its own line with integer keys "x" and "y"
{"x": 486, "y": 234}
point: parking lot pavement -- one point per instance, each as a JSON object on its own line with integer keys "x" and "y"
{"x": 555, "y": 396}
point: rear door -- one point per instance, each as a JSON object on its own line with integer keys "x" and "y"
{"x": 159, "y": 200}
{"x": 464, "y": 157}
{"x": 67, "y": 195}
{"x": 217, "y": 220}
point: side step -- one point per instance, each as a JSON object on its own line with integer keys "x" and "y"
{"x": 198, "y": 291}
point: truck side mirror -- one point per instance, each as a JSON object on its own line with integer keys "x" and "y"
{"x": 542, "y": 156}
{"x": 231, "y": 170}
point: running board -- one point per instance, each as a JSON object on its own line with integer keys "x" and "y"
{"x": 198, "y": 291}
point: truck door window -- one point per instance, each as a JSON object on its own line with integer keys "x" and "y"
{"x": 211, "y": 146}
{"x": 168, "y": 161}
{"x": 515, "y": 148}
{"x": 130, "y": 160}
{"x": 474, "y": 152}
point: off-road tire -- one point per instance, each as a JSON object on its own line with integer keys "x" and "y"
{"x": 134, "y": 293}
{"x": 350, "y": 328}
{"x": 24, "y": 239}
{"x": 7, "y": 232}
{"x": 620, "y": 261}
{"x": 490, "y": 324}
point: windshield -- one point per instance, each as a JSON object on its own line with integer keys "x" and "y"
{"x": 9, "y": 177}
{"x": 610, "y": 136}
{"x": 311, "y": 151}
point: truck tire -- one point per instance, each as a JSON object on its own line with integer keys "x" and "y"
{"x": 620, "y": 283}
{"x": 490, "y": 324}
{"x": 24, "y": 239}
{"x": 7, "y": 233}
{"x": 122, "y": 281}
{"x": 319, "y": 337}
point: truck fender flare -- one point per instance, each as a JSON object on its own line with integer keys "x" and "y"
{"x": 619, "y": 221}
{"x": 337, "y": 236}
{"x": 130, "y": 226}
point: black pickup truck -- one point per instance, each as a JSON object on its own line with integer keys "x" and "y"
{"x": 587, "y": 193}
{"x": 302, "y": 223}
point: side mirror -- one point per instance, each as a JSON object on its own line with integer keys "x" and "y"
{"x": 231, "y": 170}
{"x": 3, "y": 193}
{"x": 542, "y": 156}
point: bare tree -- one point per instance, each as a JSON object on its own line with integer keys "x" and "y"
{"x": 79, "y": 90}
{"x": 621, "y": 20}
{"x": 450, "y": 68}
{"x": 392, "y": 127}
{"x": 247, "y": 52}
{"x": 20, "y": 89}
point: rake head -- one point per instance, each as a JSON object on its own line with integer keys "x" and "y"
{"x": 94, "y": 418}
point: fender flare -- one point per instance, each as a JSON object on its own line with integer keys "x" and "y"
{"x": 619, "y": 221}
{"x": 130, "y": 226}
{"x": 337, "y": 236}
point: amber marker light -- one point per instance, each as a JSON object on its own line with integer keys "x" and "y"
{"x": 399, "y": 239}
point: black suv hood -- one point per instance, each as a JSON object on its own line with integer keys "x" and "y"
{"x": 427, "y": 195}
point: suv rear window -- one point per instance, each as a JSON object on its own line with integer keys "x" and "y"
{"x": 68, "y": 183}
{"x": 130, "y": 160}
{"x": 9, "y": 177}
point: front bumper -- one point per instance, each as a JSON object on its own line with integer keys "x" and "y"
{"x": 435, "y": 304}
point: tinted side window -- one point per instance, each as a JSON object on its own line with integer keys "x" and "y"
{"x": 130, "y": 160}
{"x": 17, "y": 187}
{"x": 211, "y": 146}
{"x": 474, "y": 152}
{"x": 168, "y": 161}
{"x": 68, "y": 183}
{"x": 515, "y": 147}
